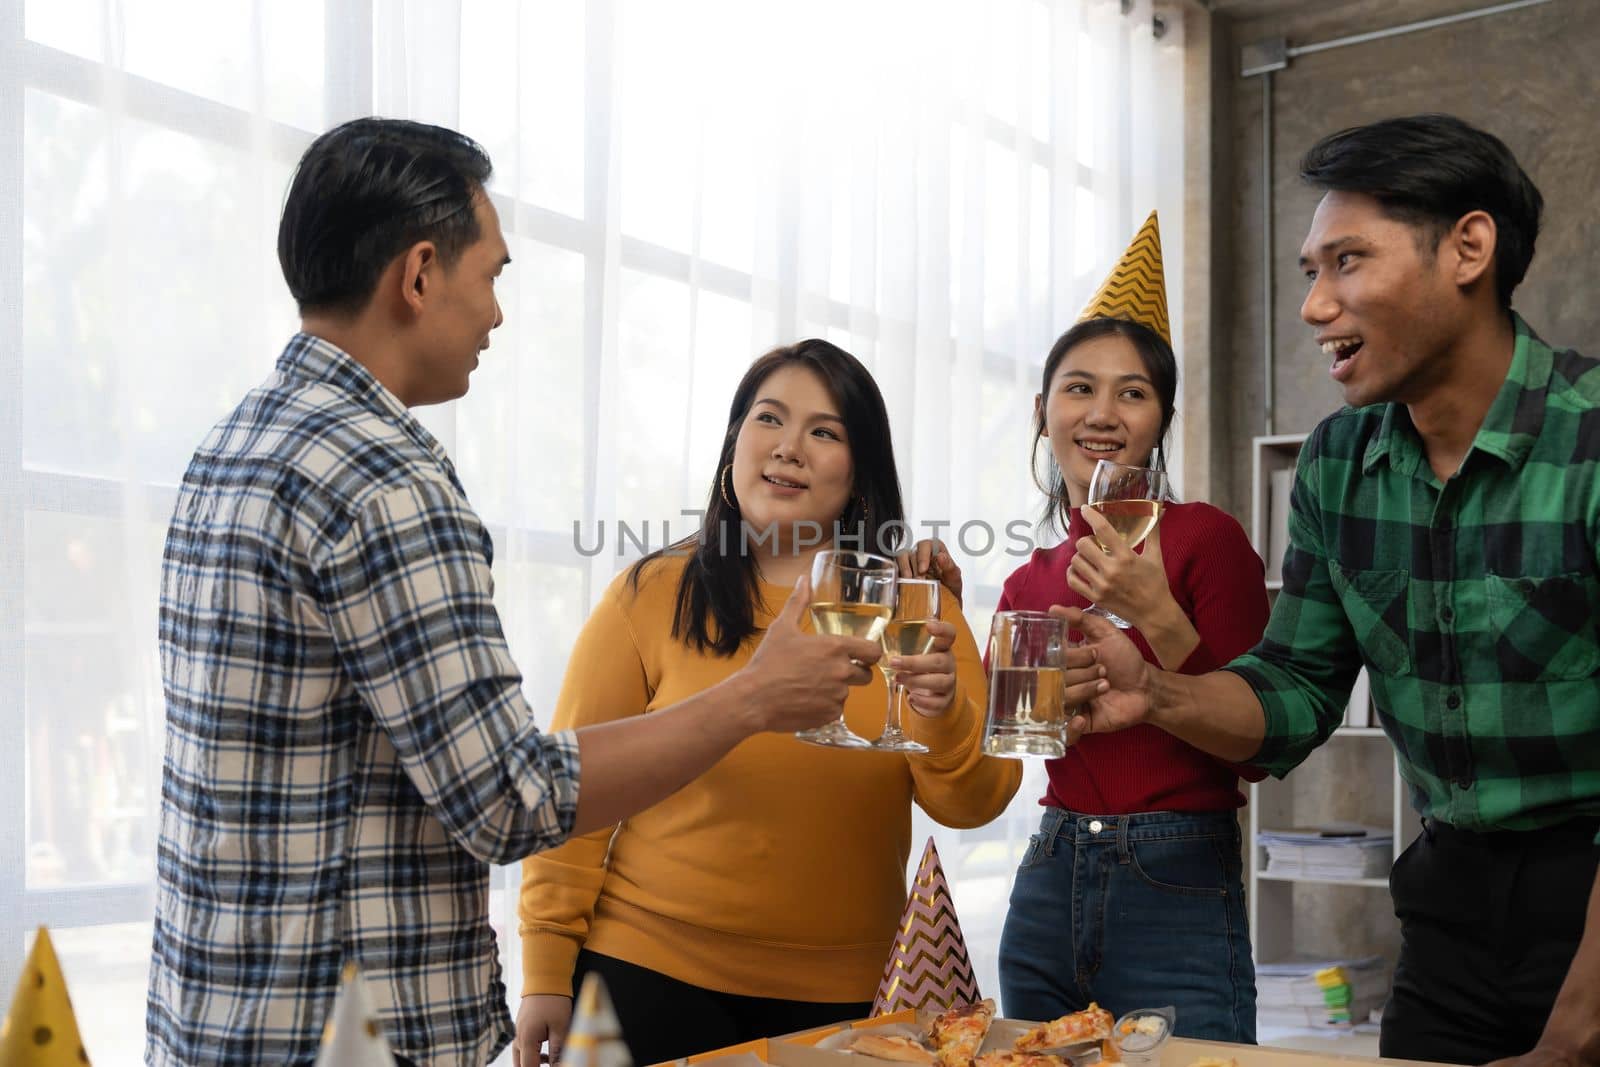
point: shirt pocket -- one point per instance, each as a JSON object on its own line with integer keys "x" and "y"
{"x": 1543, "y": 628}
{"x": 1375, "y": 603}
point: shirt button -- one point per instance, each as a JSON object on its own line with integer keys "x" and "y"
{"x": 1453, "y": 701}
{"x": 1463, "y": 783}
{"x": 1447, "y": 615}
{"x": 1095, "y": 826}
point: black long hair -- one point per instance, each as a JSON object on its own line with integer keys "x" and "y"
{"x": 720, "y": 585}
{"x": 1159, "y": 363}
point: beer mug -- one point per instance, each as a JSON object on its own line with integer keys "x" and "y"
{"x": 1027, "y": 689}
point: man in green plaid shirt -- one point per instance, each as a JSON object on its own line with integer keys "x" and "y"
{"x": 1443, "y": 534}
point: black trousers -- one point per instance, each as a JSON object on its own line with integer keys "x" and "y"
{"x": 1489, "y": 924}
{"x": 665, "y": 1019}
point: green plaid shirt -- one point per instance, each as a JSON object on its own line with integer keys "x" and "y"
{"x": 1471, "y": 603}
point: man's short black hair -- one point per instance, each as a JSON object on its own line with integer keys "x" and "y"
{"x": 1428, "y": 171}
{"x": 366, "y": 191}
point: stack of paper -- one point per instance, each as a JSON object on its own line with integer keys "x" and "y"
{"x": 1338, "y": 852}
{"x": 1310, "y": 991}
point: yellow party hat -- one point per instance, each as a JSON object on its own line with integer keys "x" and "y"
{"x": 928, "y": 967}
{"x": 595, "y": 1039}
{"x": 40, "y": 1029}
{"x": 353, "y": 1036}
{"x": 1136, "y": 289}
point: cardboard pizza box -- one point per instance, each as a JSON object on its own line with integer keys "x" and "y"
{"x": 760, "y": 1051}
{"x": 1182, "y": 1051}
{"x": 800, "y": 1050}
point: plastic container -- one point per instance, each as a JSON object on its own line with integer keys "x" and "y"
{"x": 1139, "y": 1035}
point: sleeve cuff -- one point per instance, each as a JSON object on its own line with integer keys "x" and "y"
{"x": 1282, "y": 750}
{"x": 949, "y": 734}
{"x": 548, "y": 960}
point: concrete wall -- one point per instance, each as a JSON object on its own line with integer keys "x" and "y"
{"x": 1530, "y": 76}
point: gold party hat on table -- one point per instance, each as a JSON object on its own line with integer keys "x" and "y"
{"x": 595, "y": 1039}
{"x": 40, "y": 1030}
{"x": 929, "y": 967}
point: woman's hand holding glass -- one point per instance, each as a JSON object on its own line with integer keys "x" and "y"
{"x": 910, "y": 635}
{"x": 1130, "y": 500}
{"x": 929, "y": 680}
{"x": 1112, "y": 576}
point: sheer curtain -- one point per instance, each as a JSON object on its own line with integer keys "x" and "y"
{"x": 937, "y": 186}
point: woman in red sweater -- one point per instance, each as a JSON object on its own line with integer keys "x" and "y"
{"x": 1131, "y": 893}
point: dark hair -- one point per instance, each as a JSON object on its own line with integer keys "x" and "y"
{"x": 1159, "y": 363}
{"x": 1429, "y": 170}
{"x": 366, "y": 191}
{"x": 719, "y": 584}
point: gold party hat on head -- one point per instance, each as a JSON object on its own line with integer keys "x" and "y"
{"x": 928, "y": 967}
{"x": 1136, "y": 288}
{"x": 595, "y": 1039}
{"x": 353, "y": 1037}
{"x": 40, "y": 1030}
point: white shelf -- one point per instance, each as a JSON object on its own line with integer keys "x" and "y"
{"x": 1379, "y": 883}
{"x": 1354, "y": 782}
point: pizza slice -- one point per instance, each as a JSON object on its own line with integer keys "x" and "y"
{"x": 959, "y": 1033}
{"x": 1091, "y": 1024}
{"x": 892, "y": 1047}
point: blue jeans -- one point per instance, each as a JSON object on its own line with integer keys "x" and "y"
{"x": 1132, "y": 911}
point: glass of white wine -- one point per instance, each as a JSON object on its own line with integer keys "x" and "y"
{"x": 852, "y": 595}
{"x": 1130, "y": 498}
{"x": 1027, "y": 686}
{"x": 916, "y": 604}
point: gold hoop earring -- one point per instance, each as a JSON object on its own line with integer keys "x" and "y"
{"x": 722, "y": 485}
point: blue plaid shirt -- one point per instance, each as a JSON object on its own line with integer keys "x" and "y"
{"x": 348, "y": 746}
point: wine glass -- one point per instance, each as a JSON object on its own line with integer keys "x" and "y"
{"x": 852, "y": 595}
{"x": 916, "y": 604}
{"x": 1130, "y": 498}
{"x": 1027, "y": 686}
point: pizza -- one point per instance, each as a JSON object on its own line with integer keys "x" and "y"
{"x": 959, "y": 1033}
{"x": 1091, "y": 1024}
{"x": 892, "y": 1047}
{"x": 1019, "y": 1059}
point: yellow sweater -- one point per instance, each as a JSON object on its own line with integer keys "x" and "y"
{"x": 781, "y": 871}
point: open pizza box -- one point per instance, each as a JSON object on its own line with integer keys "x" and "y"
{"x": 811, "y": 1048}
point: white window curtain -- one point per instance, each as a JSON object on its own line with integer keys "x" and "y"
{"x": 935, "y": 185}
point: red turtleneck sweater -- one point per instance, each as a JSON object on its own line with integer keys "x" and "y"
{"x": 1219, "y": 582}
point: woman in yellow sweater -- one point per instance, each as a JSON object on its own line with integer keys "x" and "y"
{"x": 762, "y": 897}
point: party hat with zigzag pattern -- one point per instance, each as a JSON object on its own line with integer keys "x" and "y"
{"x": 1136, "y": 288}
{"x": 929, "y": 967}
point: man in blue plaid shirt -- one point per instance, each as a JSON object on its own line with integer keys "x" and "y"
{"x": 348, "y": 746}
{"x": 1444, "y": 534}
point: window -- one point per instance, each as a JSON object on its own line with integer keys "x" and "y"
{"x": 937, "y": 188}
